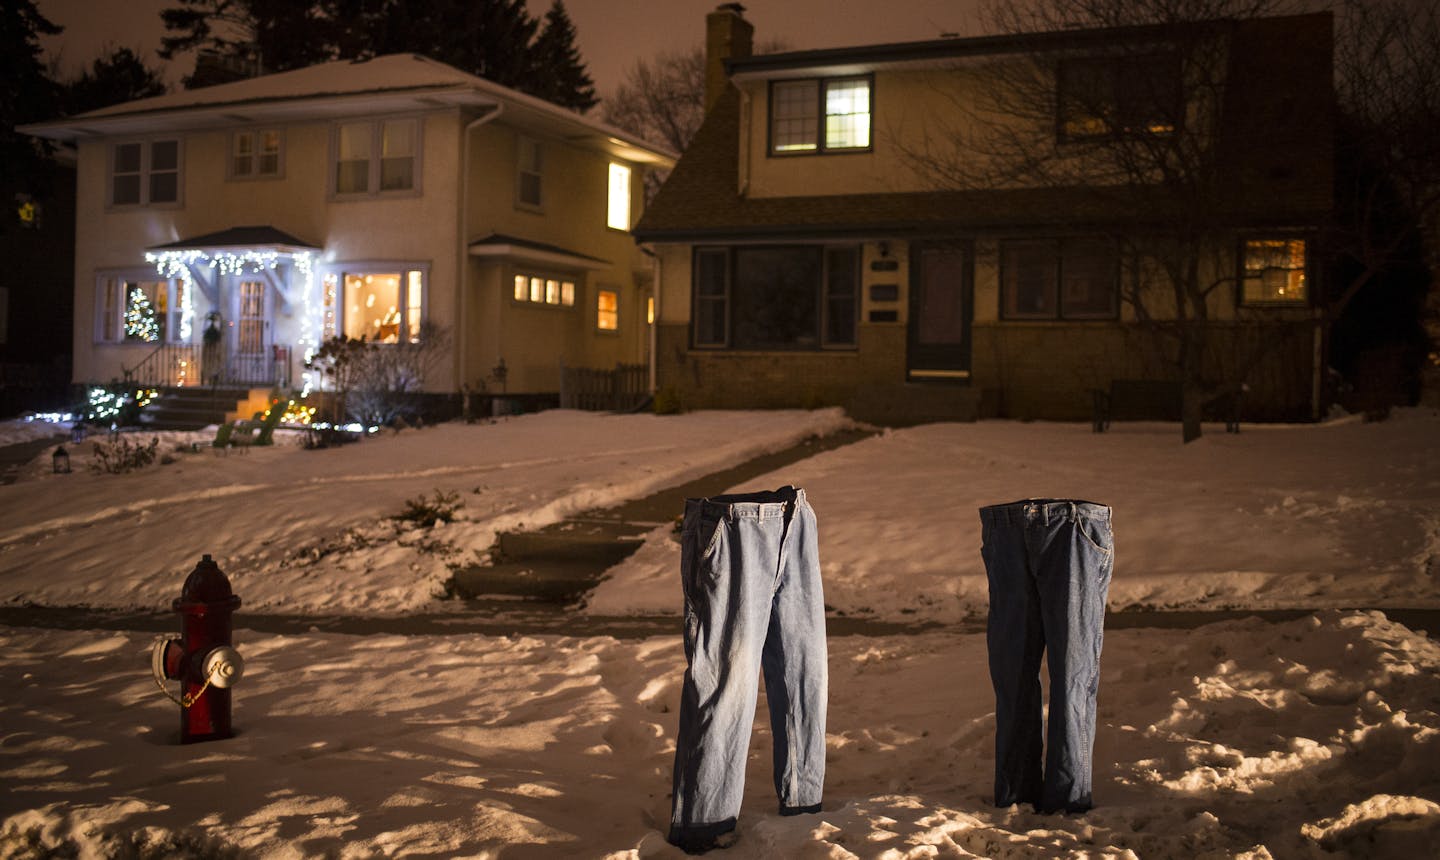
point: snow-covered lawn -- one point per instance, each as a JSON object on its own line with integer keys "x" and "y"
{"x": 1237, "y": 740}
{"x": 310, "y": 531}
{"x": 1312, "y": 738}
{"x": 1342, "y": 514}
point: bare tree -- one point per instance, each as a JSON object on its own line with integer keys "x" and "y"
{"x": 1387, "y": 61}
{"x": 1125, "y": 127}
{"x": 662, "y": 100}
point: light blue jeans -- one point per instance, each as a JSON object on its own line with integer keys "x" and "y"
{"x": 750, "y": 569}
{"x": 1049, "y": 563}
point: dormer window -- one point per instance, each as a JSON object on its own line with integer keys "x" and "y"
{"x": 797, "y": 107}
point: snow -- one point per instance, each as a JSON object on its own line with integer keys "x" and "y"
{"x": 1315, "y": 737}
{"x": 1340, "y": 514}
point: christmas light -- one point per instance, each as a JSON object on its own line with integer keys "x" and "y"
{"x": 140, "y": 316}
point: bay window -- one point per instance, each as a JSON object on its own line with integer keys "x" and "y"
{"x": 140, "y": 310}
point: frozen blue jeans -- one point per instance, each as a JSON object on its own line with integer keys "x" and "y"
{"x": 1049, "y": 563}
{"x": 750, "y": 570}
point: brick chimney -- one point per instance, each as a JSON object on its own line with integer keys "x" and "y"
{"x": 727, "y": 35}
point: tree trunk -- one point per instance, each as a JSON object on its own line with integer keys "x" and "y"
{"x": 1191, "y": 389}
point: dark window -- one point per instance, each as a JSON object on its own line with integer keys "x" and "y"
{"x": 710, "y": 297}
{"x": 142, "y": 173}
{"x": 1047, "y": 279}
{"x": 776, "y": 297}
{"x": 820, "y": 115}
{"x": 1119, "y": 96}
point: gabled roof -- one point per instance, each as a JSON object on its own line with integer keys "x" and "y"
{"x": 385, "y": 84}
{"x": 1275, "y": 185}
{"x": 250, "y": 238}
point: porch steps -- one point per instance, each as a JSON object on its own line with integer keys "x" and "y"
{"x": 194, "y": 408}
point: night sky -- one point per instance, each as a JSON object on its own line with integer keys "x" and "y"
{"x": 612, "y": 33}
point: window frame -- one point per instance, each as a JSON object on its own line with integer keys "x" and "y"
{"x": 523, "y": 146}
{"x": 255, "y": 175}
{"x": 1057, "y": 285}
{"x": 1243, "y": 276}
{"x": 146, "y": 172}
{"x": 375, "y": 158}
{"x": 1116, "y": 71}
{"x": 545, "y": 277}
{"x": 334, "y": 322}
{"x": 600, "y": 293}
{"x": 629, "y": 196}
{"x": 821, "y": 85}
{"x": 822, "y": 296}
{"x": 174, "y": 307}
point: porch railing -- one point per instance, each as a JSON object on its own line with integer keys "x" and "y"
{"x": 623, "y": 388}
{"x": 170, "y": 365}
{"x": 181, "y": 365}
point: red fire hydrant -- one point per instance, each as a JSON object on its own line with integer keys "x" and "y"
{"x": 202, "y": 659}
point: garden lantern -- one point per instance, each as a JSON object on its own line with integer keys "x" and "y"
{"x": 61, "y": 460}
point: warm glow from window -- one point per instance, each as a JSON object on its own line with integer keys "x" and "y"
{"x": 372, "y": 307}
{"x": 607, "y": 310}
{"x": 412, "y": 304}
{"x": 522, "y": 288}
{"x": 650, "y": 311}
{"x": 1275, "y": 270}
{"x": 619, "y": 217}
{"x": 548, "y": 291}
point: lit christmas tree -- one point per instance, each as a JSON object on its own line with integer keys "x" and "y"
{"x": 140, "y": 323}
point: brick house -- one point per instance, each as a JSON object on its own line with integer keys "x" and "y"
{"x": 362, "y": 199}
{"x": 803, "y": 259}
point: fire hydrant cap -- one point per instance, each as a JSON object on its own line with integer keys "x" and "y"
{"x": 206, "y": 586}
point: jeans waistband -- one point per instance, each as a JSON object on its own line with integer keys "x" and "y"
{"x": 1045, "y": 511}
{"x": 757, "y": 506}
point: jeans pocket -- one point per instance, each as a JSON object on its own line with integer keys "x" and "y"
{"x": 1096, "y": 533}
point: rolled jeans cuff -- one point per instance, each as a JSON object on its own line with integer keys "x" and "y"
{"x": 799, "y": 810}
{"x": 698, "y": 838}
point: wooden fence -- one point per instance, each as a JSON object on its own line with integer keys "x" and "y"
{"x": 619, "y": 390}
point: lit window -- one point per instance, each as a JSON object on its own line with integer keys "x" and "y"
{"x": 529, "y": 183}
{"x": 377, "y": 157}
{"x": 607, "y": 310}
{"x": 541, "y": 290}
{"x": 383, "y": 306}
{"x": 797, "y": 106}
{"x": 619, "y": 213}
{"x": 145, "y": 172}
{"x": 650, "y": 310}
{"x": 1274, "y": 272}
{"x": 255, "y": 154}
{"x": 140, "y": 310}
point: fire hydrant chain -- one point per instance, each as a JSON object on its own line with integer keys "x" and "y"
{"x": 190, "y": 698}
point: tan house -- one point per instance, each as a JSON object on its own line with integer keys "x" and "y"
{"x": 809, "y": 252}
{"x": 392, "y": 199}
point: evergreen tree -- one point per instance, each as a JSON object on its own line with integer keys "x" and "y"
{"x": 495, "y": 39}
{"x": 119, "y": 76}
{"x": 28, "y": 95}
{"x": 560, "y": 74}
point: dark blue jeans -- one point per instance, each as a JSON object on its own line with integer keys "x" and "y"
{"x": 750, "y": 568}
{"x": 1049, "y": 563}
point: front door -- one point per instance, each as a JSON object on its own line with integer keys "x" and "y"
{"x": 941, "y": 299}
{"x": 251, "y": 361}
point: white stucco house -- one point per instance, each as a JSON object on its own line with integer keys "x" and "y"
{"x": 380, "y": 198}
